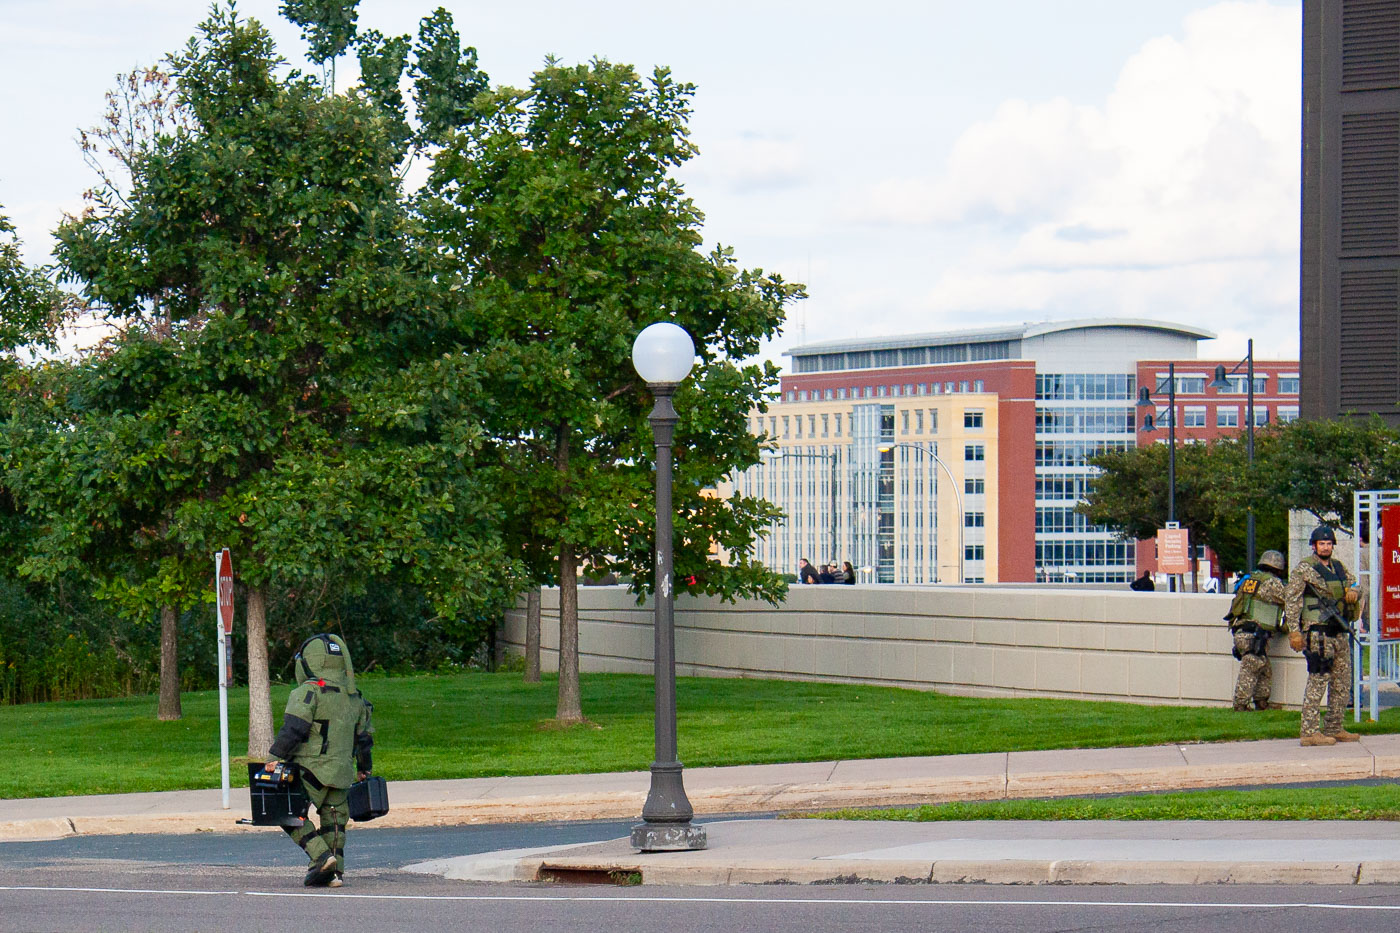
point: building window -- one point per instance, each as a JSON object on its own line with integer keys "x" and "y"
{"x": 785, "y": 425}
{"x": 1194, "y": 416}
{"x": 974, "y": 487}
{"x": 1287, "y": 414}
{"x": 1239, "y": 385}
{"x": 882, "y": 391}
{"x": 904, "y": 422}
{"x": 827, "y": 395}
{"x": 840, "y": 393}
{"x": 923, "y": 388}
{"x": 1164, "y": 417}
{"x": 825, "y": 424}
{"x": 798, "y": 419}
{"x": 919, "y": 421}
{"x": 974, "y": 519}
{"x": 933, "y": 421}
{"x": 802, "y": 396}
{"x": 1288, "y": 385}
{"x": 974, "y": 452}
{"x": 975, "y": 552}
{"x": 1261, "y": 415}
{"x": 972, "y": 419}
{"x": 838, "y": 424}
{"x": 979, "y": 386}
{"x": 1227, "y": 417}
{"x": 963, "y": 386}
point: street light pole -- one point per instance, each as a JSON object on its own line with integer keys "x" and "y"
{"x": 952, "y": 484}
{"x": 1219, "y": 383}
{"x": 1145, "y": 400}
{"x": 663, "y": 354}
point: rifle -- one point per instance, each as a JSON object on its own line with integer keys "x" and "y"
{"x": 1331, "y": 612}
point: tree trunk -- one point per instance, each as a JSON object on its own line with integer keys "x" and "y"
{"x": 532, "y": 636}
{"x": 169, "y": 706}
{"x": 570, "y": 709}
{"x": 259, "y": 691}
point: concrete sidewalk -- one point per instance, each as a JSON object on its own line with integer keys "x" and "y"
{"x": 751, "y": 789}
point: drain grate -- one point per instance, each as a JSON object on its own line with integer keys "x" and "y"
{"x": 618, "y": 876}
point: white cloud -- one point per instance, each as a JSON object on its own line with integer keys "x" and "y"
{"x": 751, "y": 162}
{"x": 1176, "y": 197}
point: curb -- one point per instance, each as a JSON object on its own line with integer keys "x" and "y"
{"x": 521, "y": 866}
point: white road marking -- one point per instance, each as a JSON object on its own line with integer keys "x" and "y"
{"x": 806, "y": 901}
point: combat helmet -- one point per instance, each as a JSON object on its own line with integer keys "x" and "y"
{"x": 1273, "y": 560}
{"x": 1322, "y": 533}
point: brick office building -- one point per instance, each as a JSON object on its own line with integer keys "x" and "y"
{"x": 961, "y": 455}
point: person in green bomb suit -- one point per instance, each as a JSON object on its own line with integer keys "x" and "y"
{"x": 327, "y": 734}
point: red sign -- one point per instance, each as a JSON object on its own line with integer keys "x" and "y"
{"x": 225, "y": 582}
{"x": 1389, "y": 556}
{"x": 1172, "y": 552}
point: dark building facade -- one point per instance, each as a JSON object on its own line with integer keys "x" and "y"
{"x": 1350, "y": 262}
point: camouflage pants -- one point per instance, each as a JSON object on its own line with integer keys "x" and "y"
{"x": 1256, "y": 679}
{"x": 332, "y": 807}
{"x": 1337, "y": 686}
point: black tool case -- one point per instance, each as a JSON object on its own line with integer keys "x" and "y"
{"x": 276, "y": 796}
{"x": 369, "y": 799}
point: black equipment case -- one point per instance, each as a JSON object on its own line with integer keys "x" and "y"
{"x": 369, "y": 799}
{"x": 277, "y": 797}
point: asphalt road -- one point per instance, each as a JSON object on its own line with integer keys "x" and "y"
{"x": 252, "y": 882}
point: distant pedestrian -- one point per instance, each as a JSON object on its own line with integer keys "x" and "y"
{"x": 1255, "y": 614}
{"x": 826, "y": 576}
{"x": 1143, "y": 584}
{"x": 1320, "y": 600}
{"x": 848, "y": 573}
{"x": 806, "y": 573}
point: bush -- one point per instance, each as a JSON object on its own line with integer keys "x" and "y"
{"x": 60, "y": 643}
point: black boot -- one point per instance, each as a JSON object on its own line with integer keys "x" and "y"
{"x": 321, "y": 872}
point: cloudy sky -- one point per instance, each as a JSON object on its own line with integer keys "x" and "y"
{"x": 921, "y": 165}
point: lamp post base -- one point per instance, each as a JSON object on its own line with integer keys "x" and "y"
{"x": 668, "y": 837}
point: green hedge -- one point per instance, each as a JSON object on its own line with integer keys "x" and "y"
{"x": 60, "y": 643}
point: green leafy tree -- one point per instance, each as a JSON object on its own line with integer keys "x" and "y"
{"x": 564, "y": 233}
{"x": 313, "y": 408}
{"x": 1315, "y": 466}
{"x": 328, "y": 26}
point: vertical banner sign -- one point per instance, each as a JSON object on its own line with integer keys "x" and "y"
{"x": 1388, "y": 555}
{"x": 223, "y": 634}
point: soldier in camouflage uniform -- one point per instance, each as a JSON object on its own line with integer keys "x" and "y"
{"x": 1323, "y": 640}
{"x": 1256, "y": 614}
{"x": 327, "y": 734}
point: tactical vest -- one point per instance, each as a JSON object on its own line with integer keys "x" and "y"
{"x": 1336, "y": 580}
{"x": 1249, "y": 607}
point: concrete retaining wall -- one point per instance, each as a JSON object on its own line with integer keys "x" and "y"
{"x": 1159, "y": 648}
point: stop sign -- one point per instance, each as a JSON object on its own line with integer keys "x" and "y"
{"x": 225, "y": 587}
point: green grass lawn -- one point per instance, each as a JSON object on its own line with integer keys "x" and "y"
{"x": 473, "y": 725}
{"x": 1380, "y": 802}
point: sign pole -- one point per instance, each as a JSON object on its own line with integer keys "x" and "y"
{"x": 223, "y": 618}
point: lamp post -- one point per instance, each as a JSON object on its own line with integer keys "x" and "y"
{"x": 662, "y": 355}
{"x": 952, "y": 484}
{"x": 1148, "y": 424}
{"x": 831, "y": 458}
{"x": 1219, "y": 384}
